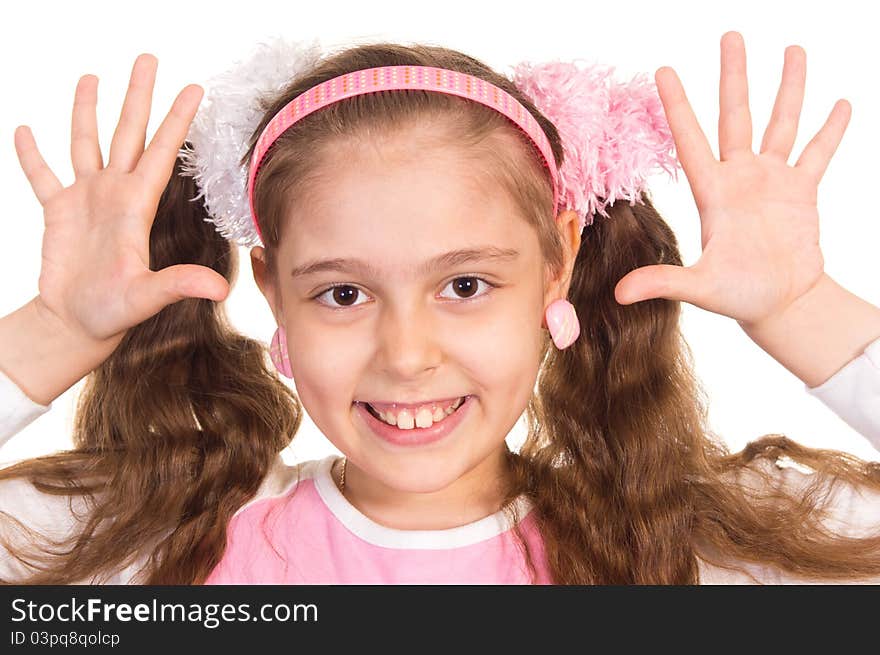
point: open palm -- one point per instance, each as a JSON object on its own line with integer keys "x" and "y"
{"x": 95, "y": 276}
{"x": 759, "y": 219}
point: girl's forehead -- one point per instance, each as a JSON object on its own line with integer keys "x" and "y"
{"x": 404, "y": 209}
{"x": 400, "y": 222}
{"x": 405, "y": 200}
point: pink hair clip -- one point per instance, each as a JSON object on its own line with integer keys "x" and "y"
{"x": 615, "y": 134}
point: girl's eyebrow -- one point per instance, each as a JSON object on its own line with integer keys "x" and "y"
{"x": 447, "y": 259}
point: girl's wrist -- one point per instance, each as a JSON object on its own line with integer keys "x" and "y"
{"x": 44, "y": 357}
{"x": 819, "y": 333}
{"x": 804, "y": 304}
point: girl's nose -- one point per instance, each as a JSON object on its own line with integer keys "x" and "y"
{"x": 407, "y": 341}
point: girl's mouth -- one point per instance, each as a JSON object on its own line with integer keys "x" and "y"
{"x": 401, "y": 436}
{"x": 415, "y": 416}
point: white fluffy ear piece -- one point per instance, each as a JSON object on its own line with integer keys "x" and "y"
{"x": 225, "y": 123}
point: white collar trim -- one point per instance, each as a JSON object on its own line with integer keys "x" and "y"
{"x": 380, "y": 535}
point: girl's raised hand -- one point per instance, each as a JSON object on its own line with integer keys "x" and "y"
{"x": 95, "y": 275}
{"x": 760, "y": 224}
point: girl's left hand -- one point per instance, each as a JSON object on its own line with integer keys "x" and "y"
{"x": 760, "y": 224}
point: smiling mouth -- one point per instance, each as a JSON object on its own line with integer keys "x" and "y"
{"x": 449, "y": 412}
{"x": 412, "y": 433}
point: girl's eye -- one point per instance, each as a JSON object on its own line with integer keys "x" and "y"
{"x": 344, "y": 295}
{"x": 467, "y": 286}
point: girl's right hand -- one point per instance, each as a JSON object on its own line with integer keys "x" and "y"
{"x": 95, "y": 276}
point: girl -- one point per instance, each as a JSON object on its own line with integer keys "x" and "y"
{"x": 417, "y": 326}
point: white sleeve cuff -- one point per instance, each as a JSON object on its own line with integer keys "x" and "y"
{"x": 853, "y": 393}
{"x": 16, "y": 409}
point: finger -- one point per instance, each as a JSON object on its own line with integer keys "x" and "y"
{"x": 692, "y": 147}
{"x": 155, "y": 290}
{"x": 41, "y": 178}
{"x": 131, "y": 132}
{"x": 157, "y": 162}
{"x": 660, "y": 281}
{"x": 85, "y": 151}
{"x": 782, "y": 130}
{"x": 734, "y": 118}
{"x": 817, "y": 155}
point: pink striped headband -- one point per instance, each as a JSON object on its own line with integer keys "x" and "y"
{"x": 386, "y": 78}
{"x": 614, "y": 134}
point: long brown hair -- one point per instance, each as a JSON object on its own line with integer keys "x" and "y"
{"x": 177, "y": 429}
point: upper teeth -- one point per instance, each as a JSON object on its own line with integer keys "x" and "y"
{"x": 423, "y": 417}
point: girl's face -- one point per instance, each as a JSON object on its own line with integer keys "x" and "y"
{"x": 410, "y": 321}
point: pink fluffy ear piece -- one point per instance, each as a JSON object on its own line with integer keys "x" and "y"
{"x": 562, "y": 321}
{"x": 278, "y": 352}
{"x": 614, "y": 132}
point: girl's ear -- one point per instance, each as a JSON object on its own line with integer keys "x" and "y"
{"x": 265, "y": 282}
{"x": 568, "y": 224}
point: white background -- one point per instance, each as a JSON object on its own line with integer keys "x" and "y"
{"x": 45, "y": 47}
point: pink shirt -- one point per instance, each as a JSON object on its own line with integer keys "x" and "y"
{"x": 321, "y": 538}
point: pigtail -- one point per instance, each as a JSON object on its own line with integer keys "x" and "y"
{"x": 172, "y": 433}
{"x": 630, "y": 483}
{"x": 604, "y": 417}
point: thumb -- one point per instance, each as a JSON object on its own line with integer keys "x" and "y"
{"x": 156, "y": 290}
{"x": 658, "y": 281}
